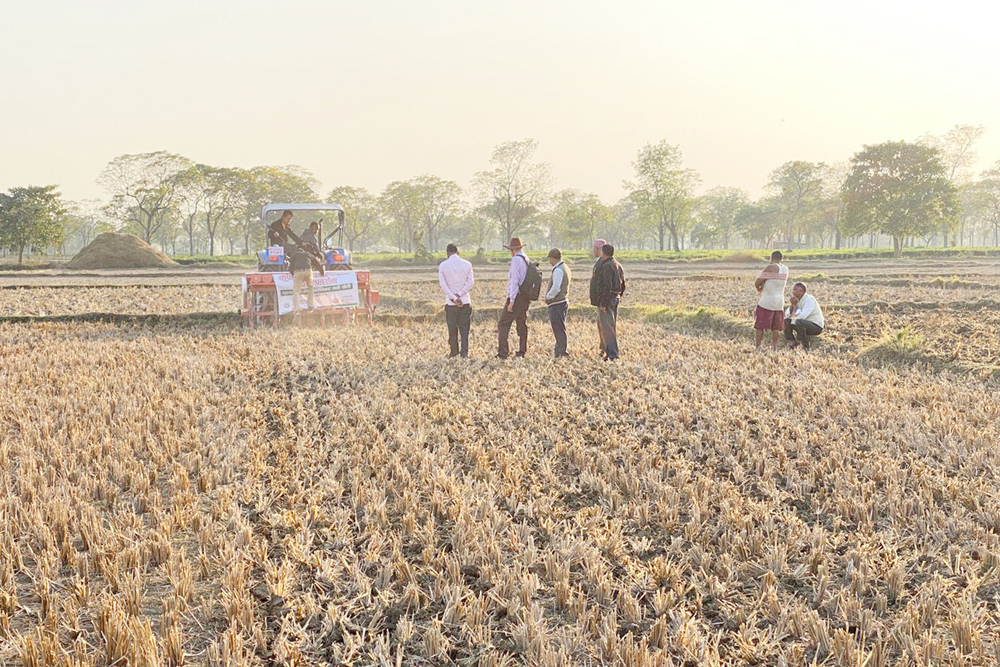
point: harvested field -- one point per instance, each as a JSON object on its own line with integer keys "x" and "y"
{"x": 183, "y": 491}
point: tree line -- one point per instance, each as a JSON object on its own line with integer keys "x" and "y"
{"x": 909, "y": 193}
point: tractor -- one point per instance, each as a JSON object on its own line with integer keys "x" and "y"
{"x": 343, "y": 294}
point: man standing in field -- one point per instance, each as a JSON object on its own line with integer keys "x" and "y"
{"x": 455, "y": 277}
{"x": 805, "y": 318}
{"x": 606, "y": 288}
{"x": 557, "y": 300}
{"x": 597, "y": 247}
{"x": 769, "y": 314}
{"x": 515, "y": 310}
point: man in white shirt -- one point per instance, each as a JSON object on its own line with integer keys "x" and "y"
{"x": 557, "y": 301}
{"x": 455, "y": 277}
{"x": 804, "y": 319}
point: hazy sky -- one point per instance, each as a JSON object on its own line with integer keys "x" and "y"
{"x": 364, "y": 93}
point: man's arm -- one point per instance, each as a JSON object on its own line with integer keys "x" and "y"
{"x": 806, "y": 308}
{"x": 604, "y": 284}
{"x": 448, "y": 294}
{"x": 467, "y": 286}
{"x": 518, "y": 266}
{"x": 759, "y": 283}
{"x": 557, "y": 279}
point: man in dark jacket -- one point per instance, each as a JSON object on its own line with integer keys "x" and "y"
{"x": 606, "y": 287}
{"x": 280, "y": 232}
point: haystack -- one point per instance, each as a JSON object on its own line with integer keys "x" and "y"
{"x": 120, "y": 251}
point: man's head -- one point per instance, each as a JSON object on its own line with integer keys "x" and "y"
{"x": 452, "y": 249}
{"x": 776, "y": 256}
{"x": 514, "y": 246}
{"x": 598, "y": 244}
{"x": 607, "y": 250}
{"x": 555, "y": 256}
{"x": 314, "y": 226}
{"x": 799, "y": 290}
{"x": 286, "y": 218}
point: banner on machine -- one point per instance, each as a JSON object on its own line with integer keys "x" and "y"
{"x": 336, "y": 289}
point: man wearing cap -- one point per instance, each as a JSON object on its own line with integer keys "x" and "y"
{"x": 515, "y": 310}
{"x": 557, "y": 301}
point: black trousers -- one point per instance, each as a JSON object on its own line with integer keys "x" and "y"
{"x": 557, "y": 318}
{"x": 801, "y": 331}
{"x": 459, "y": 319}
{"x": 518, "y": 315}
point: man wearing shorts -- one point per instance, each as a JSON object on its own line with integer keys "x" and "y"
{"x": 770, "y": 313}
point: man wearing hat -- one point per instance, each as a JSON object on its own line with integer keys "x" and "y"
{"x": 516, "y": 308}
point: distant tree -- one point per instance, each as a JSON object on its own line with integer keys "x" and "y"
{"x": 759, "y": 221}
{"x": 440, "y": 201}
{"x": 473, "y": 227}
{"x": 190, "y": 187}
{"x": 31, "y": 218}
{"x": 362, "y": 218}
{"x": 576, "y": 218}
{"x": 400, "y": 202}
{"x": 513, "y": 192}
{"x": 797, "y": 187}
{"x": 956, "y": 149}
{"x": 719, "y": 209}
{"x": 627, "y": 228}
{"x": 143, "y": 189}
{"x": 899, "y": 189}
{"x": 665, "y": 189}
{"x": 260, "y": 186}
{"x": 84, "y": 220}
{"x": 219, "y": 191}
{"x": 958, "y": 154}
{"x": 988, "y": 196}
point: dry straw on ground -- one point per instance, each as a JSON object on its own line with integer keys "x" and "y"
{"x": 119, "y": 251}
{"x": 208, "y": 497}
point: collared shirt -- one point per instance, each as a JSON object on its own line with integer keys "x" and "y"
{"x": 518, "y": 271}
{"x": 455, "y": 277}
{"x": 558, "y": 277}
{"x": 808, "y": 310}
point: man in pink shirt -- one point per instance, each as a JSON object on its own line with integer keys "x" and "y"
{"x": 516, "y": 308}
{"x": 455, "y": 278}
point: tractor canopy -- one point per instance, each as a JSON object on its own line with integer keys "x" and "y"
{"x": 280, "y": 208}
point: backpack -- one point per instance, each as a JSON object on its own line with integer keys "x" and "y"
{"x": 532, "y": 285}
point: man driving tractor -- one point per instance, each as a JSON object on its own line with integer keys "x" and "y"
{"x": 280, "y": 233}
